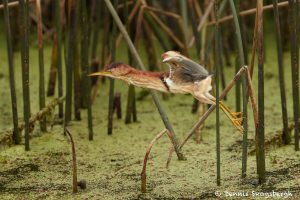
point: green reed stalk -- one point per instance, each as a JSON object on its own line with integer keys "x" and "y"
{"x": 217, "y": 71}
{"x": 53, "y": 68}
{"x": 183, "y": 10}
{"x": 130, "y": 107}
{"x": 260, "y": 134}
{"x": 70, "y": 59}
{"x": 58, "y": 25}
{"x": 41, "y": 63}
{"x": 211, "y": 36}
{"x": 78, "y": 93}
{"x": 141, "y": 65}
{"x": 237, "y": 66}
{"x": 25, "y": 67}
{"x": 86, "y": 81}
{"x": 285, "y": 136}
{"x": 244, "y": 86}
{"x": 293, "y": 11}
{"x": 112, "y": 81}
{"x": 16, "y": 133}
{"x": 95, "y": 31}
{"x": 197, "y": 44}
{"x": 222, "y": 73}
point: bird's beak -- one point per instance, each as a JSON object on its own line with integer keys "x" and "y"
{"x": 103, "y": 73}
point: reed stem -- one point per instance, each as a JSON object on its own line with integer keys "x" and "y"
{"x": 77, "y": 77}
{"x": 183, "y": 10}
{"x": 293, "y": 12}
{"x": 96, "y": 30}
{"x": 41, "y": 63}
{"x": 53, "y": 68}
{"x": 16, "y": 133}
{"x": 217, "y": 71}
{"x": 260, "y": 134}
{"x": 286, "y": 138}
{"x": 58, "y": 25}
{"x": 111, "y": 81}
{"x": 131, "y": 90}
{"x": 70, "y": 59}
{"x": 196, "y": 35}
{"x": 241, "y": 57}
{"x": 86, "y": 81}
{"x": 25, "y": 67}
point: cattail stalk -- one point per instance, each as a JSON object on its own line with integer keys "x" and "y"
{"x": 53, "y": 68}
{"x": 77, "y": 79}
{"x": 111, "y": 81}
{"x": 196, "y": 35}
{"x": 183, "y": 10}
{"x": 293, "y": 12}
{"x": 285, "y": 135}
{"x": 77, "y": 68}
{"x": 105, "y": 38}
{"x": 70, "y": 59}
{"x": 58, "y": 25}
{"x": 260, "y": 134}
{"x": 95, "y": 30}
{"x": 141, "y": 65}
{"x": 131, "y": 89}
{"x": 217, "y": 71}
{"x": 25, "y": 67}
{"x": 244, "y": 86}
{"x": 222, "y": 73}
{"x": 237, "y": 62}
{"x": 85, "y": 65}
{"x": 41, "y": 63}
{"x": 91, "y": 10}
{"x": 211, "y": 36}
{"x": 16, "y": 133}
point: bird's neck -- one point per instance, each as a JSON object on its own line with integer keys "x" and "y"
{"x": 147, "y": 79}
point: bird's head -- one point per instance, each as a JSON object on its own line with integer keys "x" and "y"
{"x": 114, "y": 70}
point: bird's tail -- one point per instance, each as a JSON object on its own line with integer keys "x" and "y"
{"x": 236, "y": 118}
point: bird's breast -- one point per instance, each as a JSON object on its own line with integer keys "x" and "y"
{"x": 175, "y": 87}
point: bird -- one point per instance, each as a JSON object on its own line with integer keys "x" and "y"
{"x": 184, "y": 76}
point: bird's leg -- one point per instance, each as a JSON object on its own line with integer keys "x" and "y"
{"x": 198, "y": 131}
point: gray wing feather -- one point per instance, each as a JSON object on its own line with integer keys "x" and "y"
{"x": 192, "y": 71}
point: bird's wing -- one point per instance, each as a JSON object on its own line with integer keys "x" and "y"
{"x": 191, "y": 71}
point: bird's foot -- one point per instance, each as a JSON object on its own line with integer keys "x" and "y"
{"x": 237, "y": 114}
{"x": 238, "y": 123}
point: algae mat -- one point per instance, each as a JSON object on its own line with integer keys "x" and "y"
{"x": 111, "y": 165}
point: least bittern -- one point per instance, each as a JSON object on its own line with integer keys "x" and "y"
{"x": 185, "y": 76}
